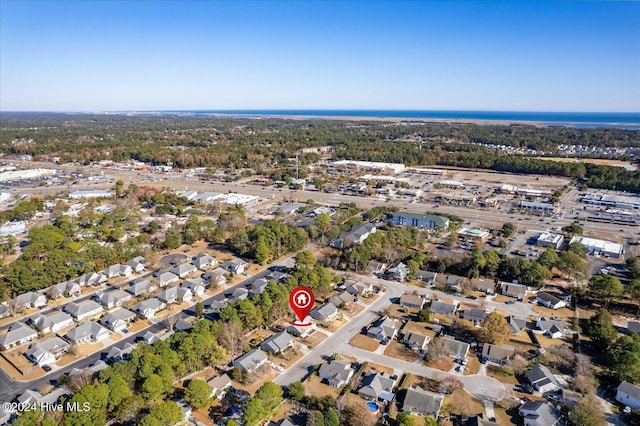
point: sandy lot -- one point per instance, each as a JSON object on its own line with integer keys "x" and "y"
{"x": 364, "y": 342}
{"x": 398, "y": 350}
{"x": 314, "y": 386}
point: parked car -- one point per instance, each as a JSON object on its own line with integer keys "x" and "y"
{"x": 510, "y": 302}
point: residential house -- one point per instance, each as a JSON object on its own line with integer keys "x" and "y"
{"x": 277, "y": 343}
{"x": 166, "y": 278}
{"x": 118, "y": 319}
{"x": 427, "y": 277}
{"x": 457, "y": 349}
{"x": 629, "y": 395}
{"x": 283, "y": 422}
{"x": 238, "y": 294}
{"x": 150, "y": 338}
{"x": 384, "y": 329}
{"x": 550, "y": 301}
{"x": 17, "y": 334}
{"x": 183, "y": 269}
{"x": 204, "y": 261}
{"x": 251, "y": 360}
{"x": 538, "y": 413}
{"x": 377, "y": 386}
{"x": 336, "y": 373}
{"x": 418, "y": 401}
{"x": 141, "y": 287}
{"x": 353, "y": 237}
{"x": 31, "y": 300}
{"x": 497, "y": 354}
{"x": 34, "y": 398}
{"x": 633, "y": 327}
{"x": 416, "y": 341}
{"x": 341, "y": 299}
{"x": 137, "y": 264}
{"x": 113, "y": 298}
{"x": 51, "y": 323}
{"x": 66, "y": 289}
{"x": 182, "y": 325}
{"x": 277, "y": 276}
{"x": 217, "y": 305}
{"x": 516, "y": 324}
{"x": 571, "y": 398}
{"x": 299, "y": 330}
{"x": 118, "y": 271}
{"x": 4, "y": 310}
{"x": 485, "y": 286}
{"x": 47, "y": 351}
{"x": 148, "y": 308}
{"x": 219, "y": 386}
{"x": 475, "y": 315}
{"x": 92, "y": 278}
{"x": 454, "y": 282}
{"x": 259, "y": 286}
{"x": 518, "y": 291}
{"x": 215, "y": 278}
{"x": 326, "y": 312}
{"x": 196, "y": 285}
{"x": 556, "y": 329}
{"x": 398, "y": 272}
{"x": 422, "y": 221}
{"x": 235, "y": 266}
{"x": 83, "y": 310}
{"x": 412, "y": 301}
{"x": 541, "y": 378}
{"x": 175, "y": 295}
{"x": 119, "y": 354}
{"x": 376, "y": 268}
{"x": 443, "y": 308}
{"x": 359, "y": 288}
{"x": 87, "y": 332}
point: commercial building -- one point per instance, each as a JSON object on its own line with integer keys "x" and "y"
{"x": 13, "y": 228}
{"x": 92, "y": 193}
{"x": 537, "y": 208}
{"x": 394, "y": 168}
{"x": 474, "y": 235}
{"x": 598, "y": 247}
{"x": 428, "y": 221}
{"x": 612, "y": 200}
{"x": 25, "y": 174}
{"x": 547, "y": 239}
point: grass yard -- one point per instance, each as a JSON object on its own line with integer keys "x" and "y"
{"x": 380, "y": 368}
{"x": 399, "y": 350}
{"x": 465, "y": 402}
{"x": 443, "y": 364}
{"x": 548, "y": 342}
{"x": 502, "y": 374}
{"x": 314, "y": 339}
{"x": 254, "y": 380}
{"x": 510, "y": 417}
{"x": 473, "y": 365}
{"x": 565, "y": 313}
{"x": 364, "y": 342}
{"x": 314, "y": 386}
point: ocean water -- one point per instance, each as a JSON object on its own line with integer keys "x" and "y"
{"x": 574, "y": 119}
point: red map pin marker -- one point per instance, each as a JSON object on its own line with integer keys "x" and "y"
{"x": 301, "y": 300}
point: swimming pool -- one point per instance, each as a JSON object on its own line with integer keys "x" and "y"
{"x": 373, "y": 407}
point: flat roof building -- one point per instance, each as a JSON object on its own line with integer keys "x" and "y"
{"x": 600, "y": 247}
{"x": 612, "y": 200}
{"x": 474, "y": 234}
{"x": 547, "y": 239}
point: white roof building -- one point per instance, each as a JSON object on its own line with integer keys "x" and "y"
{"x": 600, "y": 247}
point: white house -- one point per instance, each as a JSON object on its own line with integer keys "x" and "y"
{"x": 83, "y": 310}
{"x": 183, "y": 269}
{"x": 113, "y": 298}
{"x": 87, "y": 332}
{"x": 550, "y": 301}
{"x": 219, "y": 385}
{"x": 31, "y": 300}
{"x": 629, "y": 395}
{"x": 336, "y": 373}
{"x": 118, "y": 271}
{"x": 52, "y": 322}
{"x": 117, "y": 319}
{"x": 149, "y": 308}
{"x": 17, "y": 334}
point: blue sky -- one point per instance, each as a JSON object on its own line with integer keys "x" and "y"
{"x": 430, "y": 55}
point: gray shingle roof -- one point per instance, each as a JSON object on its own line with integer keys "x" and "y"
{"x": 420, "y": 401}
{"x": 277, "y": 343}
{"x": 630, "y": 389}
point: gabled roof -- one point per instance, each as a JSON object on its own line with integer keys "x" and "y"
{"x": 42, "y": 322}
{"x": 509, "y": 288}
{"x": 112, "y": 297}
{"x": 417, "y": 339}
{"x": 29, "y": 298}
{"x": 443, "y": 308}
{"x": 549, "y": 298}
{"x": 418, "y": 400}
{"x": 411, "y": 299}
{"x": 385, "y": 327}
{"x": 458, "y": 348}
{"x": 167, "y": 277}
{"x": 633, "y": 327}
{"x": 83, "y": 308}
{"x": 139, "y": 287}
{"x": 333, "y": 370}
{"x": 120, "y": 353}
{"x": 92, "y": 278}
{"x": 552, "y": 326}
{"x": 119, "y": 314}
{"x": 17, "y": 331}
{"x": 251, "y": 359}
{"x": 400, "y": 269}
{"x": 540, "y": 375}
{"x": 630, "y": 389}
{"x": 219, "y": 383}
{"x": 377, "y": 385}
{"x": 215, "y": 275}
{"x": 516, "y": 324}
{"x": 544, "y": 412}
{"x": 474, "y": 314}
{"x": 340, "y": 298}
{"x": 86, "y": 329}
{"x": 183, "y": 269}
{"x": 426, "y": 275}
{"x": 277, "y": 343}
{"x": 503, "y": 352}
{"x": 324, "y": 312}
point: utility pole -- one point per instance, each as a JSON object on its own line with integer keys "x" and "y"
{"x": 297, "y": 167}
